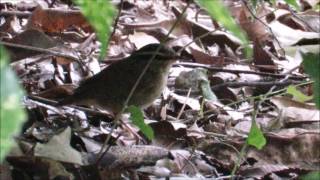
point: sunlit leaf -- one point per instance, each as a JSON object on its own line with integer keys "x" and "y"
{"x": 256, "y": 137}
{"x": 11, "y": 112}
{"x": 138, "y": 120}
{"x": 297, "y": 95}
{"x": 292, "y": 3}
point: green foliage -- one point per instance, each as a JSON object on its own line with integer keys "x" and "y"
{"x": 255, "y": 137}
{"x": 11, "y": 112}
{"x": 138, "y": 120}
{"x": 100, "y": 14}
{"x": 220, "y": 13}
{"x": 254, "y": 3}
{"x": 311, "y": 64}
{"x": 292, "y": 3}
{"x": 311, "y": 176}
{"x": 297, "y": 95}
{"x": 273, "y": 2}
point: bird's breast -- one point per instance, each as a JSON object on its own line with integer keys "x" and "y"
{"x": 149, "y": 88}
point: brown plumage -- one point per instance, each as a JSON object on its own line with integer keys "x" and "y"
{"x": 109, "y": 88}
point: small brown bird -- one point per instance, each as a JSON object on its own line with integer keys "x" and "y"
{"x": 110, "y": 88}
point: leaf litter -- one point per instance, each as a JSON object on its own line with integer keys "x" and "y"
{"x": 206, "y": 140}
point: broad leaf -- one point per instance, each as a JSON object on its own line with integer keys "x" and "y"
{"x": 297, "y": 95}
{"x": 256, "y": 137}
{"x": 311, "y": 64}
{"x": 138, "y": 120}
{"x": 11, "y": 111}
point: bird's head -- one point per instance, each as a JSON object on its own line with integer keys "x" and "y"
{"x": 158, "y": 51}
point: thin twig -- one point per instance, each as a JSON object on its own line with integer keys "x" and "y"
{"x": 116, "y": 21}
{"x": 278, "y": 92}
{"x": 235, "y": 71}
{"x": 254, "y": 84}
{"x": 102, "y": 152}
{"x": 184, "y": 104}
{"x": 54, "y": 103}
{"x": 19, "y": 14}
{"x": 42, "y": 50}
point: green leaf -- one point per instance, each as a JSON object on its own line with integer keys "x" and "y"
{"x": 297, "y": 95}
{"x": 292, "y": 3}
{"x": 273, "y": 2}
{"x": 256, "y": 137}
{"x": 100, "y": 15}
{"x": 138, "y": 120}
{"x": 219, "y": 12}
{"x": 311, "y": 64}
{"x": 311, "y": 176}
{"x": 254, "y": 3}
{"x": 11, "y": 112}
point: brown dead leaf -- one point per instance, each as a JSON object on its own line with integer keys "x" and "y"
{"x": 166, "y": 134}
{"x": 262, "y": 59}
{"x": 58, "y": 91}
{"x": 56, "y": 20}
{"x": 31, "y": 37}
{"x": 153, "y": 17}
{"x": 53, "y": 169}
{"x": 216, "y": 37}
{"x": 222, "y": 154}
{"x": 310, "y": 19}
{"x": 292, "y": 22}
{"x": 255, "y": 29}
{"x": 204, "y": 58}
{"x": 291, "y": 147}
